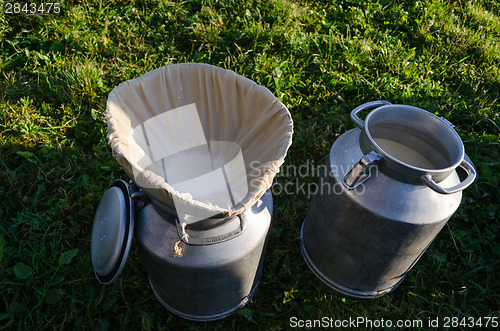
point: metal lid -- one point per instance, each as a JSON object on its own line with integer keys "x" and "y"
{"x": 112, "y": 232}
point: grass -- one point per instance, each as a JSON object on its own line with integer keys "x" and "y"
{"x": 321, "y": 58}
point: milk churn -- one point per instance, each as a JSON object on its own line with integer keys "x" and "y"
{"x": 201, "y": 272}
{"x": 390, "y": 186}
{"x": 201, "y": 146}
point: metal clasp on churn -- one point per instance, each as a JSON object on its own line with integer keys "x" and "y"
{"x": 361, "y": 170}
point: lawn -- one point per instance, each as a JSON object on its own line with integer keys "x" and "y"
{"x": 322, "y": 59}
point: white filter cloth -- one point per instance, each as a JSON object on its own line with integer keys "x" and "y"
{"x": 197, "y": 139}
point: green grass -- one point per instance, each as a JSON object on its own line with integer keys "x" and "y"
{"x": 322, "y": 59}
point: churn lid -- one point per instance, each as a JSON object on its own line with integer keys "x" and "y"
{"x": 112, "y": 232}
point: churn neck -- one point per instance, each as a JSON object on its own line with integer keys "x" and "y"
{"x": 412, "y": 142}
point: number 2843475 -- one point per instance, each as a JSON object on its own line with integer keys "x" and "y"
{"x": 32, "y": 8}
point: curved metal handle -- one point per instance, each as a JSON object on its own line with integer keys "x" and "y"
{"x": 197, "y": 241}
{"x": 471, "y": 176}
{"x": 354, "y": 114}
{"x": 361, "y": 171}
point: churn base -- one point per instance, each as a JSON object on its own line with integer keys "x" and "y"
{"x": 337, "y": 287}
{"x": 205, "y": 318}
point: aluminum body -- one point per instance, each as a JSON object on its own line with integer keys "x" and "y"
{"x": 208, "y": 270}
{"x": 373, "y": 216}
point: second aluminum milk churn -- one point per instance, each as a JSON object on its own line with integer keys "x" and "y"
{"x": 390, "y": 186}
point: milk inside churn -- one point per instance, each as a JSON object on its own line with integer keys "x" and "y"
{"x": 391, "y": 184}
{"x": 201, "y": 146}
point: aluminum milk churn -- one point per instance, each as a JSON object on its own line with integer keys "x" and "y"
{"x": 201, "y": 146}
{"x": 390, "y": 186}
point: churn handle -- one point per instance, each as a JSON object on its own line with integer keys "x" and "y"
{"x": 184, "y": 236}
{"x": 471, "y": 176}
{"x": 361, "y": 171}
{"x": 354, "y": 114}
